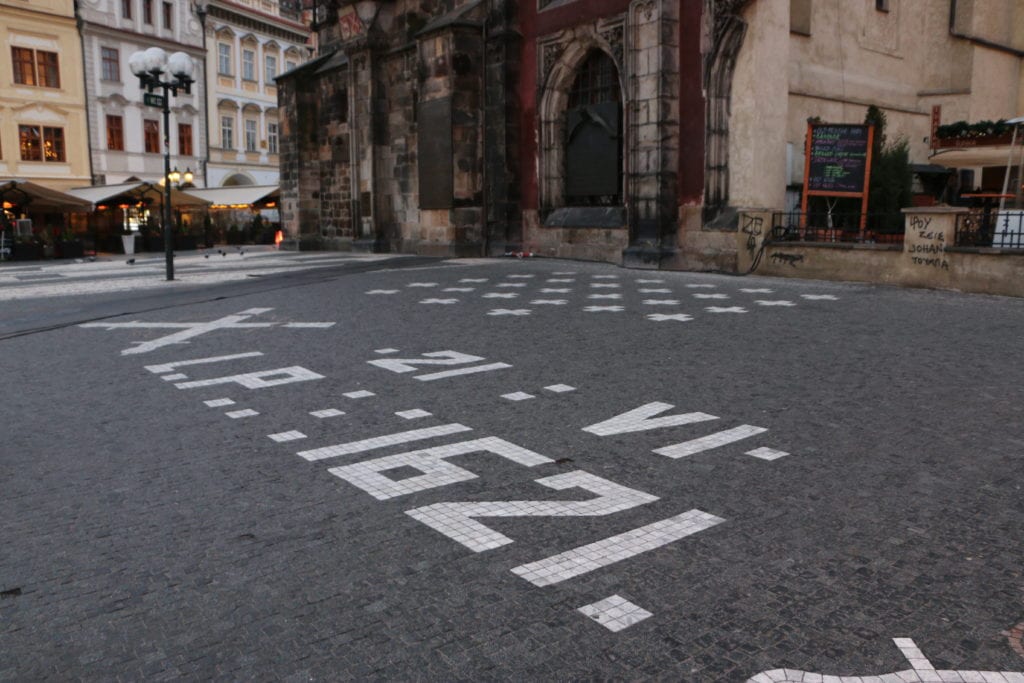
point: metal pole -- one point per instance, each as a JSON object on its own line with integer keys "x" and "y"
{"x": 168, "y": 239}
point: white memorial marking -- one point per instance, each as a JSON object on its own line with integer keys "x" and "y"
{"x": 282, "y": 437}
{"x": 174, "y": 377}
{"x": 598, "y": 309}
{"x": 362, "y": 393}
{"x": 500, "y": 295}
{"x": 382, "y": 441}
{"x": 604, "y": 296}
{"x": 643, "y": 418}
{"x": 587, "y": 558}
{"x": 564, "y": 272}
{"x": 615, "y": 613}
{"x": 725, "y": 309}
{"x": 186, "y": 330}
{"x": 654, "y": 290}
{"x": 386, "y": 351}
{"x": 470, "y": 279}
{"x": 767, "y": 453}
{"x": 704, "y": 443}
{"x": 510, "y": 284}
{"x": 439, "y": 301}
{"x": 382, "y": 291}
{"x": 819, "y": 297}
{"x": 661, "y": 317}
{"x": 605, "y": 277}
{"x": 509, "y": 311}
{"x": 661, "y": 302}
{"x": 560, "y": 388}
{"x": 561, "y": 279}
{"x": 401, "y": 365}
{"x": 921, "y": 671}
{"x": 605, "y": 285}
{"x": 459, "y": 289}
{"x": 701, "y": 286}
{"x": 774, "y": 302}
{"x": 327, "y": 412}
{"x": 235, "y": 414}
{"x": 432, "y": 463}
{"x": 167, "y": 367}
{"x": 555, "y": 290}
{"x": 518, "y": 396}
{"x": 309, "y": 326}
{"x": 520, "y": 277}
{"x": 651, "y": 282}
{"x": 710, "y": 296}
{"x": 461, "y": 371}
{"x": 455, "y": 520}
{"x": 413, "y": 414}
{"x": 219, "y": 402}
{"x": 422, "y": 284}
{"x": 550, "y": 302}
{"x": 258, "y": 380}
{"x": 758, "y": 290}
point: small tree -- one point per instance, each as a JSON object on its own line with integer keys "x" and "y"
{"x": 891, "y": 181}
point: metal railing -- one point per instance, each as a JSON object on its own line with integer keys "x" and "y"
{"x": 837, "y": 227}
{"x": 1001, "y": 229}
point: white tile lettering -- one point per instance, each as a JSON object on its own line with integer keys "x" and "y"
{"x": 643, "y": 418}
{"x": 382, "y": 441}
{"x": 704, "y": 443}
{"x": 258, "y": 380}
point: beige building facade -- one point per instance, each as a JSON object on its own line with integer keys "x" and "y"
{"x": 42, "y": 95}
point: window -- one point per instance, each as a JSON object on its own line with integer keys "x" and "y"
{"x": 147, "y": 11}
{"x": 227, "y": 132}
{"x": 800, "y": 17}
{"x": 24, "y": 66}
{"x": 151, "y": 131}
{"x": 289, "y": 65}
{"x": 272, "y": 138}
{"x": 185, "y": 139}
{"x": 250, "y": 135}
{"x": 882, "y": 5}
{"x": 168, "y": 15}
{"x": 223, "y": 59}
{"x": 270, "y": 69}
{"x": 110, "y": 60}
{"x": 126, "y": 9}
{"x": 593, "y": 142}
{"x": 35, "y": 67}
{"x": 248, "y": 65}
{"x": 115, "y": 133}
{"x": 41, "y": 143}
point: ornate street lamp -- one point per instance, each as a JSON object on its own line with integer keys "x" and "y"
{"x": 157, "y": 71}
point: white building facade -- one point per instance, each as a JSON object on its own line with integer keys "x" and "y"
{"x": 126, "y": 137}
{"x": 249, "y": 43}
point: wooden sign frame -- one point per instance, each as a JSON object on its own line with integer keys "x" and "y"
{"x": 863, "y": 195}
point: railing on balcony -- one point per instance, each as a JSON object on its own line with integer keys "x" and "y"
{"x": 1001, "y": 229}
{"x": 823, "y": 226}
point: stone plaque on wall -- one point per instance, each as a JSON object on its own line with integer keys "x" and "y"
{"x": 434, "y": 154}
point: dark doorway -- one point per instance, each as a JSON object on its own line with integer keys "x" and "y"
{"x": 594, "y": 135}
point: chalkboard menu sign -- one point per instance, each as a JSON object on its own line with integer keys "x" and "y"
{"x": 838, "y": 159}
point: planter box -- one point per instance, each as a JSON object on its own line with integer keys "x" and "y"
{"x": 185, "y": 242}
{"x": 27, "y": 251}
{"x": 983, "y": 141}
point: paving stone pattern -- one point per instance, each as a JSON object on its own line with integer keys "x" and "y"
{"x": 845, "y": 504}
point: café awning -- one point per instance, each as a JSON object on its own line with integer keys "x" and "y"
{"x": 131, "y": 193}
{"x": 971, "y": 157}
{"x": 237, "y": 196}
{"x": 26, "y": 195}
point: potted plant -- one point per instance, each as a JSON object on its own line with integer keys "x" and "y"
{"x": 69, "y": 246}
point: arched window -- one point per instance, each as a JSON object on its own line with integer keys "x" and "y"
{"x": 593, "y": 174}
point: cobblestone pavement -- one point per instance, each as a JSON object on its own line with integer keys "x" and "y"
{"x": 529, "y": 469}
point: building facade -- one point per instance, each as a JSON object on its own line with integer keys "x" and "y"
{"x": 634, "y": 132}
{"x": 249, "y": 43}
{"x": 125, "y": 135}
{"x": 42, "y": 95}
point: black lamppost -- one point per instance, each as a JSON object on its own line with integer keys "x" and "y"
{"x": 156, "y": 70}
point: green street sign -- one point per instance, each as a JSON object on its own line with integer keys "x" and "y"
{"x": 151, "y": 100}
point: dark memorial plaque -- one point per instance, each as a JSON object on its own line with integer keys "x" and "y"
{"x": 434, "y": 154}
{"x": 838, "y": 159}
